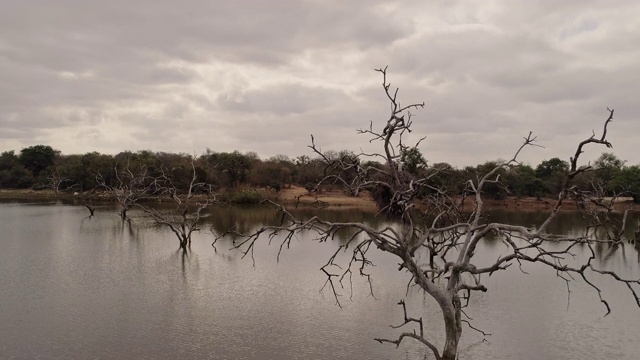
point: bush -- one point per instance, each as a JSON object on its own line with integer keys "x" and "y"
{"x": 244, "y": 197}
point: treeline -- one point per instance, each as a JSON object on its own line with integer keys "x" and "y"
{"x": 609, "y": 177}
{"x": 41, "y": 166}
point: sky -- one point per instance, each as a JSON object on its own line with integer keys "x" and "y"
{"x": 262, "y": 76}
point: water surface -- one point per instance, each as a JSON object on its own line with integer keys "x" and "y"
{"x": 79, "y": 287}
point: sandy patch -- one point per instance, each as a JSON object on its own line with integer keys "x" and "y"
{"x": 297, "y": 194}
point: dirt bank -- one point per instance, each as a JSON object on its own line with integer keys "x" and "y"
{"x": 335, "y": 198}
{"x": 28, "y": 194}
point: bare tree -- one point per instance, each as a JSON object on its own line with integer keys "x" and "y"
{"x": 437, "y": 229}
{"x": 188, "y": 208}
{"x": 89, "y": 205}
{"x": 127, "y": 188}
{"x": 56, "y": 181}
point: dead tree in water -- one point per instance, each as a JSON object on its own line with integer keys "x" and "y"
{"x": 187, "y": 211}
{"x": 89, "y": 206}
{"x": 128, "y": 187}
{"x": 449, "y": 237}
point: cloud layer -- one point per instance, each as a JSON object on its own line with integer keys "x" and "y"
{"x": 264, "y": 75}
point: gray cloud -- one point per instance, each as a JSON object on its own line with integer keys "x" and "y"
{"x": 262, "y": 75}
{"x": 281, "y": 99}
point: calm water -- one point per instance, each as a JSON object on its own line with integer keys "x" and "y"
{"x": 74, "y": 287}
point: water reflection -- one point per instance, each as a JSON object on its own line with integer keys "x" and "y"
{"x": 245, "y": 219}
{"x": 96, "y": 287}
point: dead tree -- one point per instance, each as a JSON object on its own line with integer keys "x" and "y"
{"x": 87, "y": 198}
{"x": 188, "y": 208}
{"x": 128, "y": 187}
{"x": 56, "y": 180}
{"x": 89, "y": 205}
{"x": 437, "y": 229}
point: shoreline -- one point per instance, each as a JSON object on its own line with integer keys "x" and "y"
{"x": 298, "y": 196}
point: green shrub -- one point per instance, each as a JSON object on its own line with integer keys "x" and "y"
{"x": 244, "y": 197}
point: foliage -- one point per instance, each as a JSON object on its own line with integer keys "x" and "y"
{"x": 627, "y": 181}
{"x": 243, "y": 197}
{"x": 37, "y": 158}
{"x": 12, "y": 173}
{"x": 521, "y": 180}
{"x": 413, "y": 161}
{"x": 233, "y": 170}
{"x": 607, "y": 168}
{"x": 270, "y": 174}
{"x": 552, "y": 173}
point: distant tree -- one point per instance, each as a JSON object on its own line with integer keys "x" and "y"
{"x": 552, "y": 172}
{"x": 8, "y": 160}
{"x": 627, "y": 181}
{"x": 288, "y": 169}
{"x": 550, "y": 167}
{"x": 302, "y": 160}
{"x": 412, "y": 160}
{"x": 521, "y": 180}
{"x": 233, "y": 167}
{"x": 446, "y": 180}
{"x": 143, "y": 159}
{"x": 12, "y": 173}
{"x": 37, "y": 158}
{"x": 307, "y": 171}
{"x": 270, "y": 174}
{"x": 495, "y": 189}
{"x": 179, "y": 167}
{"x": 607, "y": 167}
{"x": 252, "y": 156}
{"x": 280, "y": 159}
{"x": 87, "y": 167}
{"x": 608, "y": 161}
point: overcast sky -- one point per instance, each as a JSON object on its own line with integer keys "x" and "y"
{"x": 258, "y": 75}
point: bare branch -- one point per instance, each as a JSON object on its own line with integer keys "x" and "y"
{"x": 437, "y": 246}
{"x": 184, "y": 219}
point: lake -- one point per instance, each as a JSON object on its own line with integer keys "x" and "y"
{"x": 79, "y": 287}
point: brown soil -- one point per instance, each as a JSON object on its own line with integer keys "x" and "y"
{"x": 333, "y": 198}
{"x": 534, "y": 204}
{"x": 338, "y": 198}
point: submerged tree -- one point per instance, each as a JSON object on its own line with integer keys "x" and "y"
{"x": 188, "y": 205}
{"x": 128, "y": 186}
{"x": 437, "y": 229}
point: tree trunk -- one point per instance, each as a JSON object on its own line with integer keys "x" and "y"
{"x": 184, "y": 242}
{"x": 91, "y": 208}
{"x": 453, "y": 328}
{"x": 451, "y": 311}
